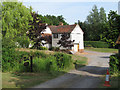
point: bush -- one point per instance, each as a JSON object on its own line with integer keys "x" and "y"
{"x": 43, "y": 48}
{"x": 55, "y": 49}
{"x": 40, "y": 48}
{"x": 15, "y": 61}
{"x": 96, "y": 44}
{"x": 63, "y": 60}
{"x": 23, "y": 41}
{"x": 114, "y": 63}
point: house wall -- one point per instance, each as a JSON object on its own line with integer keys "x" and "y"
{"x": 47, "y": 31}
{"x": 77, "y": 35}
{"x": 56, "y": 40}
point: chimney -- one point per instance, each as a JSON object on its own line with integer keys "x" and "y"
{"x": 60, "y": 24}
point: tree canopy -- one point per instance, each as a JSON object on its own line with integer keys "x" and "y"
{"x": 15, "y": 19}
{"x": 53, "y": 20}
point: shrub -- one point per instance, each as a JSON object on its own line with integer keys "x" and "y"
{"x": 114, "y": 63}
{"x": 43, "y": 48}
{"x": 40, "y": 48}
{"x": 14, "y": 61}
{"x": 55, "y": 48}
{"x": 96, "y": 44}
{"x": 63, "y": 60}
{"x": 23, "y": 41}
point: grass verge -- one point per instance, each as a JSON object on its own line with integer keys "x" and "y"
{"x": 79, "y": 61}
{"x": 114, "y": 82}
{"x": 105, "y": 50}
{"x": 25, "y": 80}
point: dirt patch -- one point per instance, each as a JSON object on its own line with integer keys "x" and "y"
{"x": 34, "y": 50}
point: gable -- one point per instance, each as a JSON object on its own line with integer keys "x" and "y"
{"x": 77, "y": 30}
{"x": 47, "y": 31}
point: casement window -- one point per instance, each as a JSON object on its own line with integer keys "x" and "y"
{"x": 55, "y": 35}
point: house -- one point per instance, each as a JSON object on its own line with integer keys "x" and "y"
{"x": 73, "y": 31}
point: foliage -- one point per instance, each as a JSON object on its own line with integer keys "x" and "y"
{"x": 93, "y": 27}
{"x": 96, "y": 44}
{"x": 65, "y": 42}
{"x": 114, "y": 63}
{"x": 23, "y": 41}
{"x": 35, "y": 31}
{"x": 53, "y": 20}
{"x": 112, "y": 28}
{"x": 55, "y": 48}
{"x": 14, "y": 61}
{"x": 15, "y": 19}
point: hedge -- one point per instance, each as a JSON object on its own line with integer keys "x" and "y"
{"x": 114, "y": 63}
{"x": 96, "y": 44}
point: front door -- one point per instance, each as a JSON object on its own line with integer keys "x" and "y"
{"x": 78, "y": 47}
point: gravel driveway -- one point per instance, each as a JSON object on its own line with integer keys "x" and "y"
{"x": 86, "y": 77}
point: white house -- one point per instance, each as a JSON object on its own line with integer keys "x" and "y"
{"x": 74, "y": 32}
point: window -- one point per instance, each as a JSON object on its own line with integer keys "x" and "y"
{"x": 55, "y": 35}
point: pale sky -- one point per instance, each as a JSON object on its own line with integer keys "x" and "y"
{"x": 72, "y": 11}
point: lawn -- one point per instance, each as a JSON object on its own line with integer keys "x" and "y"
{"x": 105, "y": 50}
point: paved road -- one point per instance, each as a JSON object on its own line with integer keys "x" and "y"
{"x": 85, "y": 77}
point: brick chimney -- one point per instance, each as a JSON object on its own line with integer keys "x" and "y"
{"x": 60, "y": 24}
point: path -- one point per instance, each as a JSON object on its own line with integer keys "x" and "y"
{"x": 85, "y": 77}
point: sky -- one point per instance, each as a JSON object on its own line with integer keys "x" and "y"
{"x": 72, "y": 11}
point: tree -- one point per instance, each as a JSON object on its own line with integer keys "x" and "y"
{"x": 35, "y": 31}
{"x": 15, "y": 19}
{"x": 65, "y": 42}
{"x": 53, "y": 20}
{"x": 95, "y": 24}
{"x": 112, "y": 28}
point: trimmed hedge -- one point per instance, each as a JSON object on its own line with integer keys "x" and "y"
{"x": 114, "y": 63}
{"x": 96, "y": 44}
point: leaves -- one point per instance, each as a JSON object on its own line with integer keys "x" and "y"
{"x": 34, "y": 33}
{"x": 15, "y": 18}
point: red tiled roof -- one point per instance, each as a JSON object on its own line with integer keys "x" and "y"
{"x": 62, "y": 29}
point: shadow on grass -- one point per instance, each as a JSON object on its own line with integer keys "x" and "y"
{"x": 28, "y": 79}
{"x": 69, "y": 80}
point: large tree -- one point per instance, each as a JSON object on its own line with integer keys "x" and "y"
{"x": 15, "y": 19}
{"x": 112, "y": 28}
{"x": 35, "y": 31}
{"x": 94, "y": 23}
{"x": 53, "y": 20}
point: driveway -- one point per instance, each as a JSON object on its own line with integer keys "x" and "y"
{"x": 86, "y": 77}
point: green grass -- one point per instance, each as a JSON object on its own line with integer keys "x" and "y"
{"x": 105, "y": 50}
{"x": 79, "y": 61}
{"x": 24, "y": 80}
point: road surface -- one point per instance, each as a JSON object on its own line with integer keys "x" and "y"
{"x": 86, "y": 77}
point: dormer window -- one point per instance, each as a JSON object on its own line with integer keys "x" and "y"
{"x": 55, "y": 35}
